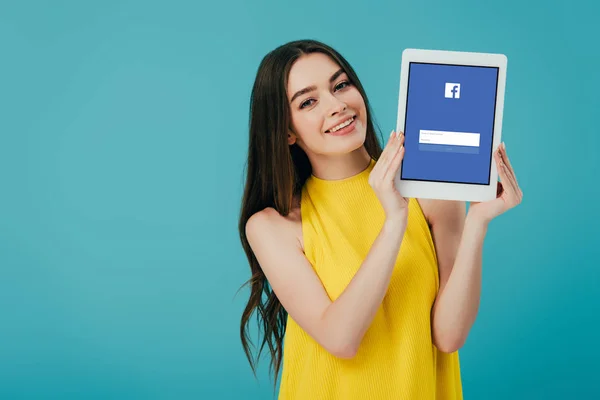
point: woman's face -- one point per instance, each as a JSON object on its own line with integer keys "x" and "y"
{"x": 330, "y": 99}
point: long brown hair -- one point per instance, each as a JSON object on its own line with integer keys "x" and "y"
{"x": 275, "y": 175}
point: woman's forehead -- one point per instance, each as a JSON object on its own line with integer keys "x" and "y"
{"x": 311, "y": 69}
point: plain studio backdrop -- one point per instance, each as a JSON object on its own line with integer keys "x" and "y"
{"x": 123, "y": 140}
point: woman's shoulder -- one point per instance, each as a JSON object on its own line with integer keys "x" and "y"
{"x": 290, "y": 224}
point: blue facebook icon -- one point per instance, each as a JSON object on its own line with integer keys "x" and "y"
{"x": 453, "y": 90}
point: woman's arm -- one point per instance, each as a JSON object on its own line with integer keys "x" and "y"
{"x": 338, "y": 326}
{"x": 351, "y": 314}
{"x": 459, "y": 242}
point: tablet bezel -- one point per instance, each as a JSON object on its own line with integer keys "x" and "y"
{"x": 445, "y": 190}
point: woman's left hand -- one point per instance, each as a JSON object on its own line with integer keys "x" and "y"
{"x": 509, "y": 194}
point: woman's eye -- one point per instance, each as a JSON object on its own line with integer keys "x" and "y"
{"x": 342, "y": 83}
{"x": 339, "y": 86}
{"x": 306, "y": 103}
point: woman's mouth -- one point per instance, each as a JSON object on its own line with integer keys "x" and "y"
{"x": 344, "y": 128}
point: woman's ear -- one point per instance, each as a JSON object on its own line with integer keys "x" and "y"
{"x": 291, "y": 138}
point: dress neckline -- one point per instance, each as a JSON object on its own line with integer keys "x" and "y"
{"x": 359, "y": 176}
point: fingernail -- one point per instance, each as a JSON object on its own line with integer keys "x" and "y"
{"x": 398, "y": 134}
{"x": 392, "y": 133}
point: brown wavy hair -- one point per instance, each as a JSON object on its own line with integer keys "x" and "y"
{"x": 275, "y": 174}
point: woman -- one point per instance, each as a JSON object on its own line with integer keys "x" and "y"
{"x": 374, "y": 292}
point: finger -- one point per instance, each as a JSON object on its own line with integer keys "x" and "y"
{"x": 388, "y": 154}
{"x": 508, "y": 184}
{"x": 504, "y": 178}
{"x": 388, "y": 146}
{"x": 393, "y": 140}
{"x": 514, "y": 193}
{"x": 393, "y": 154}
{"x": 395, "y": 163}
{"x": 507, "y": 162}
{"x": 511, "y": 171}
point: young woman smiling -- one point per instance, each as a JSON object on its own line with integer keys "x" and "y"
{"x": 360, "y": 293}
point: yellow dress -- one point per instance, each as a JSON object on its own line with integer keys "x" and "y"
{"x": 396, "y": 359}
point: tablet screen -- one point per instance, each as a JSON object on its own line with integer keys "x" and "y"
{"x": 449, "y": 123}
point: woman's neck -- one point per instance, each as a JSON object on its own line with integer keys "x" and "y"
{"x": 331, "y": 168}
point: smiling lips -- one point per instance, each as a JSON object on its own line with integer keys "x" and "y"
{"x": 341, "y": 125}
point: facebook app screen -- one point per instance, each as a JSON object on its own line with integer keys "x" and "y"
{"x": 449, "y": 123}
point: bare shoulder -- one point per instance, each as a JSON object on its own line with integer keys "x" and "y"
{"x": 273, "y": 239}
{"x": 287, "y": 227}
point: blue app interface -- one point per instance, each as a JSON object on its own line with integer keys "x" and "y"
{"x": 449, "y": 123}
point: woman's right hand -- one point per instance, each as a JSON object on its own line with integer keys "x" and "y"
{"x": 382, "y": 176}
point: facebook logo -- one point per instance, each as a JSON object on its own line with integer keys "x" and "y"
{"x": 453, "y": 90}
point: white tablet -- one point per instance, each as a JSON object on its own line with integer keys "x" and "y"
{"x": 450, "y": 110}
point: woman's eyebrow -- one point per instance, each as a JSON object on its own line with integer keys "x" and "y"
{"x": 311, "y": 88}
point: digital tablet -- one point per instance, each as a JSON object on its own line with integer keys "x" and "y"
{"x": 450, "y": 110}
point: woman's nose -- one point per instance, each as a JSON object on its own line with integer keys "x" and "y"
{"x": 336, "y": 106}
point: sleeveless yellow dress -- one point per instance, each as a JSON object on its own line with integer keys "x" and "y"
{"x": 396, "y": 359}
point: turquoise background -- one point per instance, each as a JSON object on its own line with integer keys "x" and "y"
{"x": 123, "y": 139}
